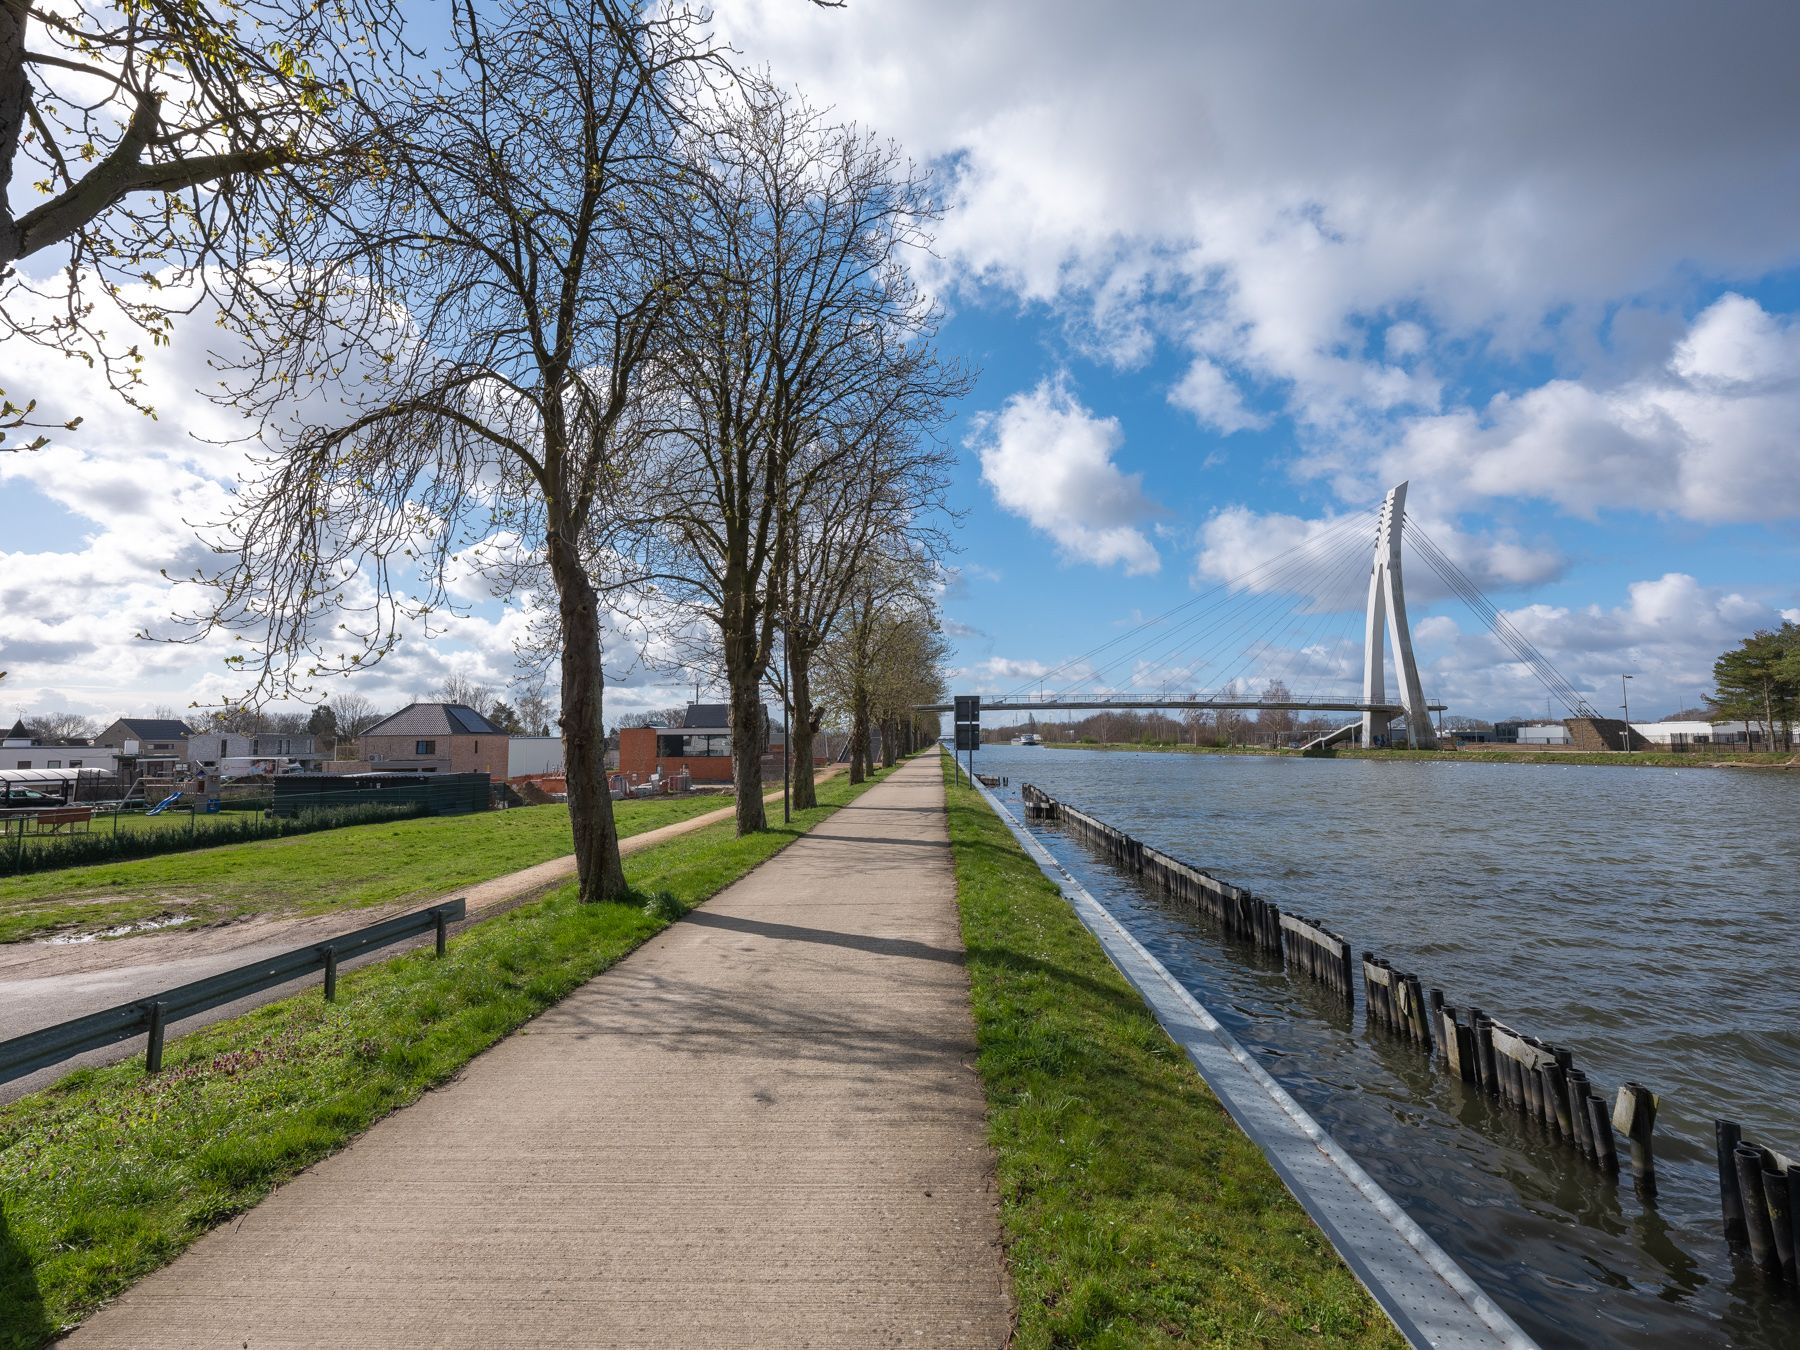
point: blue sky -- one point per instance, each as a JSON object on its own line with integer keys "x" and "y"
{"x": 1228, "y": 272}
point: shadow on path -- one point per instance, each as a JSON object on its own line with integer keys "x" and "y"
{"x": 788, "y": 932}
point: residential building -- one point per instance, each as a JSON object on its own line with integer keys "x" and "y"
{"x": 150, "y": 748}
{"x": 436, "y": 738}
{"x": 231, "y": 754}
{"x": 532, "y": 756}
{"x": 701, "y": 745}
{"x": 19, "y": 749}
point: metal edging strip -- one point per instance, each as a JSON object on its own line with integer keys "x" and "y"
{"x": 1430, "y": 1298}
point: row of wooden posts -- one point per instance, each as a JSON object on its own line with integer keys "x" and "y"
{"x": 1759, "y": 1188}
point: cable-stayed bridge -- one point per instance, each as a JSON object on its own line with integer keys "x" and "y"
{"x": 1292, "y": 618}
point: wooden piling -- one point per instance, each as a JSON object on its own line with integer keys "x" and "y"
{"x": 1727, "y": 1136}
{"x": 1579, "y": 1091}
{"x": 1781, "y": 1218}
{"x": 1759, "y": 1228}
{"x": 1793, "y": 1193}
{"x": 1634, "y": 1115}
{"x": 1606, "y": 1155}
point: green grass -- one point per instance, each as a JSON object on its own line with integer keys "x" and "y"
{"x": 310, "y": 874}
{"x": 111, "y": 1172}
{"x": 1662, "y": 759}
{"x": 1135, "y": 1211}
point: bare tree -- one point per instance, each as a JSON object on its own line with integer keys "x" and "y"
{"x": 459, "y": 688}
{"x": 355, "y": 714}
{"x": 173, "y": 148}
{"x": 892, "y": 489}
{"x": 467, "y": 349}
{"x": 536, "y": 710}
{"x": 1276, "y": 723}
{"x": 806, "y": 348}
{"x": 882, "y": 649}
{"x": 62, "y": 728}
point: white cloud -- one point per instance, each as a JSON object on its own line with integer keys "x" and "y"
{"x": 71, "y": 608}
{"x": 1666, "y": 634}
{"x": 1208, "y": 393}
{"x": 1710, "y": 436}
{"x": 1320, "y": 212}
{"x": 1049, "y": 461}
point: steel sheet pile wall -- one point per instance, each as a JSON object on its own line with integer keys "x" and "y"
{"x": 1759, "y": 1188}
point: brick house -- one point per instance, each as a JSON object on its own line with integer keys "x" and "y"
{"x": 701, "y": 745}
{"x": 151, "y": 748}
{"x": 436, "y": 738}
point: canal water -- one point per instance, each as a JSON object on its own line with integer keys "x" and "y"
{"x": 1646, "y": 918}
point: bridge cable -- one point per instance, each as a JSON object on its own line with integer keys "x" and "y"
{"x": 1228, "y": 586}
{"x": 1289, "y": 565}
{"x": 1497, "y": 623}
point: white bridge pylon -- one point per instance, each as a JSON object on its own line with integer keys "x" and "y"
{"x": 1387, "y": 610}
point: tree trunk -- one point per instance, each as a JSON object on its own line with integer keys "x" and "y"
{"x": 597, "y": 863}
{"x": 859, "y": 738}
{"x": 889, "y": 735}
{"x": 749, "y": 737}
{"x": 801, "y": 730}
{"x": 13, "y": 94}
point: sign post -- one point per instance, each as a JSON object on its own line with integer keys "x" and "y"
{"x": 968, "y": 728}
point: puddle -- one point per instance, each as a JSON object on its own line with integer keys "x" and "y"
{"x": 120, "y": 930}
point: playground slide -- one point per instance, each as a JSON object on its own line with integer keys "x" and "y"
{"x": 164, "y": 804}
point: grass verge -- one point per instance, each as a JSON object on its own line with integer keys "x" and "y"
{"x": 1135, "y": 1210}
{"x": 111, "y": 1172}
{"x": 310, "y": 874}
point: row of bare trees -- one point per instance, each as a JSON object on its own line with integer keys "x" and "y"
{"x": 574, "y": 302}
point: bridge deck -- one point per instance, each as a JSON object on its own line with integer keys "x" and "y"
{"x": 1128, "y": 704}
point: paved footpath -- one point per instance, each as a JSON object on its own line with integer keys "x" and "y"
{"x": 762, "y": 1128}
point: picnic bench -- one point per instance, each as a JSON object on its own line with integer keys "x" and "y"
{"x": 61, "y": 819}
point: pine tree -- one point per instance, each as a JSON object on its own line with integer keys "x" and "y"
{"x": 1758, "y": 682}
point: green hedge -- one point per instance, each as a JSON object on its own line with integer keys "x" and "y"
{"x": 43, "y": 853}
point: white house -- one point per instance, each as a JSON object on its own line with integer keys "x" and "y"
{"x": 19, "y": 750}
{"x": 533, "y": 755}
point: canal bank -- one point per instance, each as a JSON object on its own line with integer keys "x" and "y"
{"x": 1631, "y": 916}
{"x": 1135, "y": 1209}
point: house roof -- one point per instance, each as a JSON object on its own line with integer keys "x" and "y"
{"x": 155, "y": 728}
{"x": 19, "y": 732}
{"x": 707, "y": 715}
{"x": 435, "y": 719}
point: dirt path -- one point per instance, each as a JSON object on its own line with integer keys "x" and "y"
{"x": 762, "y": 1128}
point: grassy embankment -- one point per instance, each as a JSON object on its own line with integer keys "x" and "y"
{"x": 313, "y": 873}
{"x": 1135, "y": 1210}
{"x": 1663, "y": 759}
{"x": 111, "y": 1173}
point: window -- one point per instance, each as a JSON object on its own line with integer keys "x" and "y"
{"x": 53, "y": 764}
{"x": 74, "y": 764}
{"x": 24, "y": 764}
{"x": 425, "y": 747}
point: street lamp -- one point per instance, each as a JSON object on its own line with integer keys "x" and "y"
{"x": 1625, "y": 694}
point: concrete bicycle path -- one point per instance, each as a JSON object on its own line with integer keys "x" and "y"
{"x": 763, "y": 1128}
{"x": 43, "y": 983}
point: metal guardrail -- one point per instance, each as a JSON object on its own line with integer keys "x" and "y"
{"x": 152, "y": 1015}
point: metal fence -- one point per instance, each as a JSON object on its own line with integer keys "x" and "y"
{"x": 151, "y": 1016}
